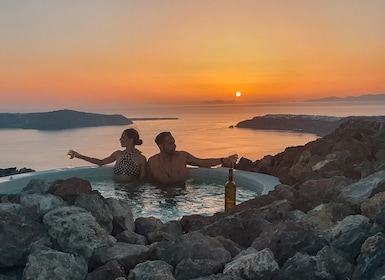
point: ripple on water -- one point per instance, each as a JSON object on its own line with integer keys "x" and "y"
{"x": 197, "y": 197}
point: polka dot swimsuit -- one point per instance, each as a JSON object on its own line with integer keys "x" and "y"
{"x": 126, "y": 166}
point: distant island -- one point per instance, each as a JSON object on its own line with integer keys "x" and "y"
{"x": 366, "y": 97}
{"x": 217, "y": 102}
{"x": 318, "y": 125}
{"x": 63, "y": 119}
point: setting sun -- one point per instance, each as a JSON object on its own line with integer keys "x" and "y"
{"x": 238, "y": 94}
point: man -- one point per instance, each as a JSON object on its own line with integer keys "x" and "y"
{"x": 170, "y": 166}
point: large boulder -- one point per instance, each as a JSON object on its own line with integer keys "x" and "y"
{"x": 336, "y": 265}
{"x": 371, "y": 261}
{"x": 356, "y": 193}
{"x": 152, "y": 270}
{"x": 10, "y": 208}
{"x": 374, "y": 208}
{"x": 259, "y": 265}
{"x": 242, "y": 228}
{"x": 286, "y": 239}
{"x": 70, "y": 189}
{"x": 131, "y": 237}
{"x": 34, "y": 206}
{"x": 37, "y": 186}
{"x": 195, "y": 246}
{"x": 17, "y": 234}
{"x": 145, "y": 225}
{"x": 314, "y": 192}
{"x": 109, "y": 271}
{"x": 75, "y": 230}
{"x": 123, "y": 219}
{"x": 303, "y": 266}
{"x": 127, "y": 255}
{"x": 193, "y": 268}
{"x": 348, "y": 235}
{"x": 169, "y": 231}
{"x": 95, "y": 204}
{"x": 46, "y": 263}
{"x": 325, "y": 216}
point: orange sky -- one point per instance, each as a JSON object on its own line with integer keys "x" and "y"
{"x": 55, "y": 54}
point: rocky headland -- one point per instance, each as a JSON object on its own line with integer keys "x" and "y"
{"x": 324, "y": 221}
{"x": 63, "y": 119}
{"x": 60, "y": 119}
{"x": 362, "y": 98}
{"x": 316, "y": 124}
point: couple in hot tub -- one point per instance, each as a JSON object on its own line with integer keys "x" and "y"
{"x": 168, "y": 167}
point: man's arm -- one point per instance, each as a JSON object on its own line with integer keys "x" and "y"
{"x": 143, "y": 168}
{"x": 208, "y": 162}
{"x": 149, "y": 170}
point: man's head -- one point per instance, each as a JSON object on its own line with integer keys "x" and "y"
{"x": 165, "y": 142}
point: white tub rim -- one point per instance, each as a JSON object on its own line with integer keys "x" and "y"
{"x": 13, "y": 184}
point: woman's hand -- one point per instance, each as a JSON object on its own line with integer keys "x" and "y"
{"x": 72, "y": 154}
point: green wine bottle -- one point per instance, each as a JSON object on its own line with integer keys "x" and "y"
{"x": 230, "y": 191}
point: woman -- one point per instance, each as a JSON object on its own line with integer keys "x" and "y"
{"x": 130, "y": 163}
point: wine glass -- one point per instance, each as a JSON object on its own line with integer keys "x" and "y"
{"x": 70, "y": 155}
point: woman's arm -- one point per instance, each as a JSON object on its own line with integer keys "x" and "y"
{"x": 96, "y": 161}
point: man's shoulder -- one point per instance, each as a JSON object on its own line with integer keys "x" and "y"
{"x": 183, "y": 153}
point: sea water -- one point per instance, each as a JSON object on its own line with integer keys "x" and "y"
{"x": 201, "y": 130}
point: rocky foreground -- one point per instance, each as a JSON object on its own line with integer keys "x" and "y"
{"x": 325, "y": 221}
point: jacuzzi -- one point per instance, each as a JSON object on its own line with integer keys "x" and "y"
{"x": 203, "y": 194}
{"x": 260, "y": 183}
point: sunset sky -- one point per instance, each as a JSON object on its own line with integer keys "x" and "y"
{"x": 55, "y": 54}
